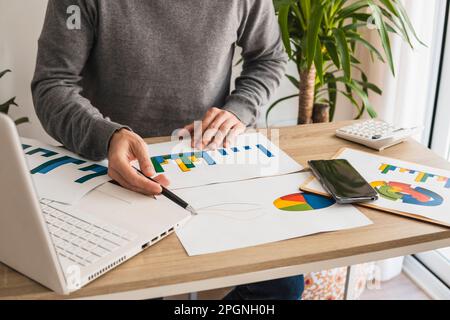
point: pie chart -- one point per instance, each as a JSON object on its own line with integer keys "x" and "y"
{"x": 406, "y": 193}
{"x": 302, "y": 202}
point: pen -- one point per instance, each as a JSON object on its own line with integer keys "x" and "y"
{"x": 171, "y": 196}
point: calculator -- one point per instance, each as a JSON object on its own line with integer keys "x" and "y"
{"x": 375, "y": 134}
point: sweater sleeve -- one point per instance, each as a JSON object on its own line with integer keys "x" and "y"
{"x": 264, "y": 61}
{"x": 63, "y": 49}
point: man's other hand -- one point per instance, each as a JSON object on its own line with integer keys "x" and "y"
{"x": 126, "y": 147}
{"x": 218, "y": 127}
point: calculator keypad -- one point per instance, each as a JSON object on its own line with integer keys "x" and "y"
{"x": 371, "y": 129}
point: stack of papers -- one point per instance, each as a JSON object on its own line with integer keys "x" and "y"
{"x": 245, "y": 195}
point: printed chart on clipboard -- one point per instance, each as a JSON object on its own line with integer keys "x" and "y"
{"x": 404, "y": 188}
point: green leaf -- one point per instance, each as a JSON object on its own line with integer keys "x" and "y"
{"x": 283, "y": 19}
{"x": 364, "y": 97}
{"x": 332, "y": 94}
{"x": 4, "y": 72}
{"x": 279, "y": 3}
{"x": 332, "y": 52}
{"x": 326, "y": 33}
{"x": 370, "y": 86}
{"x": 353, "y": 102}
{"x": 313, "y": 32}
{"x": 295, "y": 82}
{"x": 344, "y": 53}
{"x": 4, "y": 108}
{"x": 366, "y": 43}
{"x": 277, "y": 103}
{"x": 21, "y": 121}
{"x": 318, "y": 61}
{"x": 388, "y": 4}
{"x": 299, "y": 15}
{"x": 305, "y": 6}
{"x": 351, "y": 9}
{"x": 385, "y": 41}
{"x": 399, "y": 26}
{"x": 364, "y": 82}
{"x": 405, "y": 18}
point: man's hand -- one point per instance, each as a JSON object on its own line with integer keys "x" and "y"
{"x": 124, "y": 148}
{"x": 218, "y": 127}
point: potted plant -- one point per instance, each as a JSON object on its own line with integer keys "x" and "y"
{"x": 4, "y": 108}
{"x": 321, "y": 37}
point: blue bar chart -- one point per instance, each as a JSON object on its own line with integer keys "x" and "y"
{"x": 186, "y": 161}
{"x": 60, "y": 161}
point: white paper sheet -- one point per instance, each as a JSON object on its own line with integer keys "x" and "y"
{"x": 402, "y": 186}
{"x": 247, "y": 213}
{"x": 253, "y": 156}
{"x": 60, "y": 175}
{"x": 138, "y": 214}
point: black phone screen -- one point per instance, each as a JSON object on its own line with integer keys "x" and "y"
{"x": 342, "y": 179}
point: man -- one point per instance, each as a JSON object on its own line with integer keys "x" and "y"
{"x": 111, "y": 72}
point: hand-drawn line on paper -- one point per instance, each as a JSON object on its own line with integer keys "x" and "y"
{"x": 234, "y": 210}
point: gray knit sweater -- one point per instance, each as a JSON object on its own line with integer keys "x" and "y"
{"x": 151, "y": 65}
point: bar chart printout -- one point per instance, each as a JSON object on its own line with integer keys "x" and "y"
{"x": 252, "y": 156}
{"x": 60, "y": 175}
{"x": 186, "y": 161}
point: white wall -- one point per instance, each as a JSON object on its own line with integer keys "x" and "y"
{"x": 20, "y": 26}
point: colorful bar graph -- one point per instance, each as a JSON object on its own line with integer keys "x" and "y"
{"x": 45, "y": 153}
{"x": 92, "y": 170}
{"x": 55, "y": 163}
{"x": 208, "y": 158}
{"x": 186, "y": 161}
{"x": 385, "y": 168}
{"x": 421, "y": 177}
{"x": 98, "y": 171}
{"x": 157, "y": 164}
{"x": 182, "y": 166}
{"x": 265, "y": 151}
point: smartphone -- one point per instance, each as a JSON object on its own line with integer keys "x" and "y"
{"x": 343, "y": 181}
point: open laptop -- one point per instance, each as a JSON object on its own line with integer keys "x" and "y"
{"x": 65, "y": 247}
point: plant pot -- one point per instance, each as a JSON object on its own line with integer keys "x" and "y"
{"x": 321, "y": 113}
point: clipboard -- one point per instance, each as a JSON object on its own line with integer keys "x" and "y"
{"x": 304, "y": 187}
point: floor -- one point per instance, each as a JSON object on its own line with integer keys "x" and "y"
{"x": 399, "y": 288}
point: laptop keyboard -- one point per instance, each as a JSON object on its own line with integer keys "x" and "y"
{"x": 80, "y": 241}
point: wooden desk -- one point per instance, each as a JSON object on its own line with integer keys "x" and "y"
{"x": 165, "y": 269}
